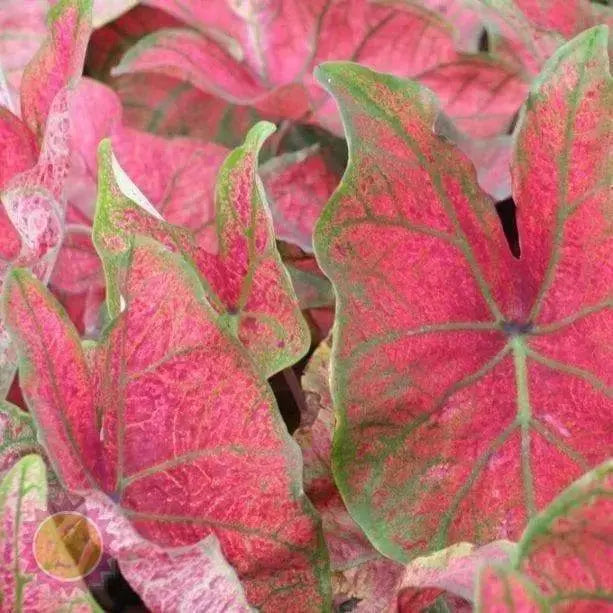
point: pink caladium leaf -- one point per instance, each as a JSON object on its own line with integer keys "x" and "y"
{"x": 298, "y": 185}
{"x": 24, "y": 586}
{"x": 514, "y": 37}
{"x": 359, "y": 571}
{"x": 459, "y": 370}
{"x": 196, "y": 577}
{"x": 563, "y": 561}
{"x": 32, "y": 216}
{"x": 23, "y": 27}
{"x": 464, "y": 18}
{"x": 138, "y": 418}
{"x": 19, "y": 150}
{"x": 78, "y": 279}
{"x": 59, "y": 61}
{"x": 568, "y": 18}
{"x": 528, "y": 32}
{"x": 238, "y": 262}
{"x": 381, "y": 35}
{"x": 176, "y": 175}
{"x": 169, "y": 107}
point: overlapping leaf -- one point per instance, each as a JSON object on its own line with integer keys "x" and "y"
{"x": 32, "y": 182}
{"x": 281, "y": 43}
{"x": 563, "y": 562}
{"x": 238, "y": 262}
{"x": 195, "y": 578}
{"x": 23, "y": 584}
{"x": 170, "y": 418}
{"x": 360, "y": 573}
{"x": 461, "y": 375}
{"x": 32, "y": 213}
{"x": 298, "y": 185}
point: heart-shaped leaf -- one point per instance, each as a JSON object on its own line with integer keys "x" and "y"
{"x": 170, "y": 418}
{"x": 461, "y": 374}
{"x": 563, "y": 561}
{"x": 238, "y": 262}
{"x": 282, "y": 42}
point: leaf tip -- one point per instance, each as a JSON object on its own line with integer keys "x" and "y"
{"x": 83, "y": 7}
{"x": 327, "y": 73}
{"x": 258, "y": 134}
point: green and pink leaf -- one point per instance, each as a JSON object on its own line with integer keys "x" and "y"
{"x": 122, "y": 421}
{"x": 237, "y": 258}
{"x": 459, "y": 370}
{"x": 23, "y": 584}
{"x": 563, "y": 561}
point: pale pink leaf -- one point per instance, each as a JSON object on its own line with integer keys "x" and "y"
{"x": 23, "y": 584}
{"x": 169, "y": 580}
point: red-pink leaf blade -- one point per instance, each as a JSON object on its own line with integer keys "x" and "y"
{"x": 436, "y": 322}
{"x": 57, "y": 63}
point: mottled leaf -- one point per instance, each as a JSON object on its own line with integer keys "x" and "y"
{"x": 360, "y": 572}
{"x": 58, "y": 63}
{"x": 23, "y": 584}
{"x": 298, "y": 185}
{"x": 17, "y": 435}
{"x": 32, "y": 216}
{"x": 193, "y": 578}
{"x": 169, "y": 417}
{"x": 564, "y": 559}
{"x": 109, "y": 43}
{"x": 19, "y": 150}
{"x": 459, "y": 371}
{"x": 238, "y": 263}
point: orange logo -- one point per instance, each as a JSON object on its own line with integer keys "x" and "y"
{"x": 67, "y": 546}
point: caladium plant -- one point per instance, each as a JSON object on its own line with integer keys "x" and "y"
{"x": 563, "y": 561}
{"x": 459, "y": 370}
{"x": 464, "y": 383}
